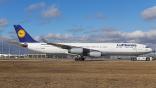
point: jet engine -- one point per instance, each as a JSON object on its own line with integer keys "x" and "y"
{"x": 95, "y": 54}
{"x": 86, "y": 53}
{"x": 76, "y": 51}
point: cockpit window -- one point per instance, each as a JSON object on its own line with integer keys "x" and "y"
{"x": 147, "y": 47}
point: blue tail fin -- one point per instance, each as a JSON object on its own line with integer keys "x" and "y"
{"x": 23, "y": 36}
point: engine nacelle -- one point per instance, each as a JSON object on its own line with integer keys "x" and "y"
{"x": 76, "y": 51}
{"x": 95, "y": 54}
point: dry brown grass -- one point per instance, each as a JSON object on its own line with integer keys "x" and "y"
{"x": 71, "y": 74}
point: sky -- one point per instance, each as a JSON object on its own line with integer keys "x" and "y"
{"x": 81, "y": 20}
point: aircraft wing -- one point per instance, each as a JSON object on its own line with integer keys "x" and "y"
{"x": 62, "y": 46}
{"x": 70, "y": 47}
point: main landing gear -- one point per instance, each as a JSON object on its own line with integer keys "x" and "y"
{"x": 79, "y": 58}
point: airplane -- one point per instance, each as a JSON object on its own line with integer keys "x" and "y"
{"x": 80, "y": 50}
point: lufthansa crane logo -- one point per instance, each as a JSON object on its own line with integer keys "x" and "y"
{"x": 21, "y": 33}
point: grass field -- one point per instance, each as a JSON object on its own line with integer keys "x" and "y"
{"x": 71, "y": 74}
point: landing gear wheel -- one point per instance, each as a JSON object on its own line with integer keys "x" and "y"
{"x": 82, "y": 59}
{"x": 76, "y": 59}
{"x": 148, "y": 59}
{"x": 79, "y": 59}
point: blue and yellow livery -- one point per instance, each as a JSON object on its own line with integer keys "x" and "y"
{"x": 23, "y": 36}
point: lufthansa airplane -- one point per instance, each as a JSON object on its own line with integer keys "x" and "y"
{"x": 81, "y": 50}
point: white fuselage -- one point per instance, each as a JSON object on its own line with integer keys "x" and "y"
{"x": 105, "y": 48}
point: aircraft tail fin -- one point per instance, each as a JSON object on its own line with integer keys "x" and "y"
{"x": 23, "y": 36}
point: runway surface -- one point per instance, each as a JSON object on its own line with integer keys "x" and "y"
{"x": 71, "y": 74}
